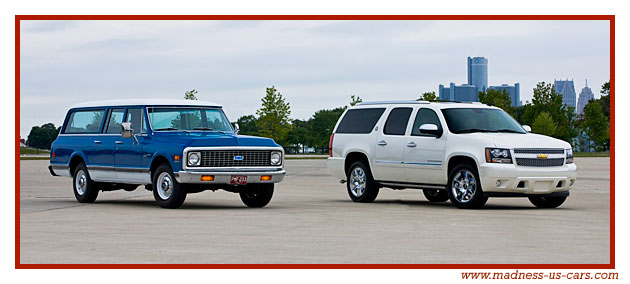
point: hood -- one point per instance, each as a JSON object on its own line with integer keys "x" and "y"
{"x": 515, "y": 140}
{"x": 213, "y": 139}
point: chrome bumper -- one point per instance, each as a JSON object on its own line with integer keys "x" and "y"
{"x": 223, "y": 177}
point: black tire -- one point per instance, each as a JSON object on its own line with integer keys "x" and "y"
{"x": 256, "y": 195}
{"x": 547, "y": 201}
{"x": 168, "y": 193}
{"x": 435, "y": 195}
{"x": 368, "y": 189}
{"x": 85, "y": 190}
{"x": 473, "y": 199}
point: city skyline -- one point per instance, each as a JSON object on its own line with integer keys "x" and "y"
{"x": 314, "y": 64}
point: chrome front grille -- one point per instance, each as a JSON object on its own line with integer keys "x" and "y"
{"x": 538, "y": 151}
{"x": 235, "y": 158}
{"x": 535, "y": 162}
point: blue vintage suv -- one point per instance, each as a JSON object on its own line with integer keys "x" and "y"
{"x": 172, "y": 147}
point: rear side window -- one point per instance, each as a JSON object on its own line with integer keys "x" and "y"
{"x": 84, "y": 121}
{"x": 397, "y": 121}
{"x": 360, "y": 121}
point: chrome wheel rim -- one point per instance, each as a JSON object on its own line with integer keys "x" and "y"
{"x": 357, "y": 183}
{"x": 464, "y": 186}
{"x": 164, "y": 185}
{"x": 80, "y": 182}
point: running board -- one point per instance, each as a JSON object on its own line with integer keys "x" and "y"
{"x": 410, "y": 185}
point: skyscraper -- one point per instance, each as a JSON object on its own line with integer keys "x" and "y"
{"x": 585, "y": 95}
{"x": 513, "y": 91}
{"x": 478, "y": 73}
{"x": 566, "y": 88}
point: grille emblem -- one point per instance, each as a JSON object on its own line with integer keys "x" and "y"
{"x": 238, "y": 158}
{"x": 540, "y": 156}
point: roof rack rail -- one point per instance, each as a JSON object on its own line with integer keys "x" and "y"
{"x": 394, "y": 102}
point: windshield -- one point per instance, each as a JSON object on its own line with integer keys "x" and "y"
{"x": 183, "y": 118}
{"x": 468, "y": 120}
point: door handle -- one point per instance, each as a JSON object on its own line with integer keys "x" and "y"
{"x": 411, "y": 144}
{"x": 382, "y": 143}
{"x": 118, "y": 142}
{"x": 97, "y": 141}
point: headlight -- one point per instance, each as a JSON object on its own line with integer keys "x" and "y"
{"x": 276, "y": 158}
{"x": 498, "y": 155}
{"x": 569, "y": 156}
{"x": 194, "y": 159}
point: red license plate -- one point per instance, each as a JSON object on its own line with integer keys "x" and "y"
{"x": 238, "y": 180}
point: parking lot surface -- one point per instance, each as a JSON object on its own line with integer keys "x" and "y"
{"x": 310, "y": 220}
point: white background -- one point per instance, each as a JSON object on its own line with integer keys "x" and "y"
{"x": 184, "y": 7}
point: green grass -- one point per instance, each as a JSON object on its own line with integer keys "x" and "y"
{"x": 32, "y": 151}
{"x": 34, "y": 158}
{"x": 591, "y": 154}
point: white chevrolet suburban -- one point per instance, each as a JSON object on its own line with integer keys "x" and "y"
{"x": 465, "y": 152}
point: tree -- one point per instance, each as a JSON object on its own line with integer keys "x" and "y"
{"x": 190, "y": 95}
{"x": 596, "y": 125}
{"x": 248, "y": 125}
{"x": 547, "y": 100}
{"x": 322, "y": 124}
{"x": 497, "y": 98}
{"x": 604, "y": 101}
{"x": 428, "y": 96}
{"x": 273, "y": 116}
{"x": 299, "y": 135}
{"x": 355, "y": 100}
{"x": 42, "y": 136}
{"x": 543, "y": 124}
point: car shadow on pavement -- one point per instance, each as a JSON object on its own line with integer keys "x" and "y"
{"x": 448, "y": 205}
{"x": 185, "y": 206}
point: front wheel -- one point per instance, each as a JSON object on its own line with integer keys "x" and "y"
{"x": 435, "y": 195}
{"x": 168, "y": 193}
{"x": 257, "y": 195}
{"x": 547, "y": 201}
{"x": 464, "y": 188}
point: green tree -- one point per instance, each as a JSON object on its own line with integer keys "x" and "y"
{"x": 355, "y": 100}
{"x": 248, "y": 125}
{"x": 543, "y": 124}
{"x": 42, "y": 136}
{"x": 547, "y": 100}
{"x": 497, "y": 98}
{"x": 190, "y": 95}
{"x": 604, "y": 101}
{"x": 322, "y": 124}
{"x": 596, "y": 125}
{"x": 428, "y": 96}
{"x": 299, "y": 135}
{"x": 273, "y": 116}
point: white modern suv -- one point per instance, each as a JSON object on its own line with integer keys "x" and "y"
{"x": 465, "y": 152}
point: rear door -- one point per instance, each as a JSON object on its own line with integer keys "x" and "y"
{"x": 424, "y": 153}
{"x": 128, "y": 153}
{"x": 105, "y": 144}
{"x": 388, "y": 155}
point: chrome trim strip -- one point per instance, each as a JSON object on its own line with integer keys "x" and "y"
{"x": 407, "y": 163}
{"x": 195, "y": 149}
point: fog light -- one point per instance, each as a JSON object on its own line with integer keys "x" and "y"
{"x": 498, "y": 183}
{"x": 265, "y": 178}
{"x": 207, "y": 178}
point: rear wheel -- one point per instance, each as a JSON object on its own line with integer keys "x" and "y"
{"x": 547, "y": 201}
{"x": 361, "y": 185}
{"x": 435, "y": 195}
{"x": 464, "y": 187}
{"x": 257, "y": 195}
{"x": 168, "y": 193}
{"x": 85, "y": 190}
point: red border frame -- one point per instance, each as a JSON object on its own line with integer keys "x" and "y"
{"x": 610, "y": 18}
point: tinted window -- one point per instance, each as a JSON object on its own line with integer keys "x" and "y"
{"x": 425, "y": 116}
{"x": 87, "y": 121}
{"x": 134, "y": 115}
{"x": 467, "y": 120}
{"x": 397, "y": 121}
{"x": 360, "y": 120}
{"x": 114, "y": 121}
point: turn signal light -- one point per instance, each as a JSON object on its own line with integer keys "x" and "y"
{"x": 207, "y": 178}
{"x": 265, "y": 178}
{"x": 176, "y": 157}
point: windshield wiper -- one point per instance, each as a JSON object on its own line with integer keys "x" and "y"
{"x": 208, "y": 128}
{"x": 510, "y": 131}
{"x": 471, "y": 130}
{"x": 166, "y": 128}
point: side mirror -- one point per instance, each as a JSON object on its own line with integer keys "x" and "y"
{"x": 236, "y": 127}
{"x": 527, "y": 128}
{"x": 127, "y": 132}
{"x": 431, "y": 129}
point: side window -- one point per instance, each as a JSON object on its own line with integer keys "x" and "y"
{"x": 114, "y": 120}
{"x": 82, "y": 122}
{"x": 425, "y": 116}
{"x": 134, "y": 115}
{"x": 397, "y": 121}
{"x": 361, "y": 120}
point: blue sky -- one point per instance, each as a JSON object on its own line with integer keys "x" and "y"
{"x": 314, "y": 64}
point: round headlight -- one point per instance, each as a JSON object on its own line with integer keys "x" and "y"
{"x": 276, "y": 158}
{"x": 193, "y": 159}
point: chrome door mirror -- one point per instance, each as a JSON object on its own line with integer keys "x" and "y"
{"x": 527, "y": 128}
{"x": 431, "y": 129}
{"x": 236, "y": 127}
{"x": 127, "y": 132}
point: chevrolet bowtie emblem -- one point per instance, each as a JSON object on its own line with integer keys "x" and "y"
{"x": 238, "y": 158}
{"x": 543, "y": 156}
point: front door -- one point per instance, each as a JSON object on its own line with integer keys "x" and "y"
{"x": 424, "y": 153}
{"x": 388, "y": 164}
{"x": 128, "y": 156}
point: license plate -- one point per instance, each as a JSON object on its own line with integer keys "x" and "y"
{"x": 238, "y": 180}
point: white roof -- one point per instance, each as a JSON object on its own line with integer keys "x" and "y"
{"x": 148, "y": 102}
{"x": 439, "y": 105}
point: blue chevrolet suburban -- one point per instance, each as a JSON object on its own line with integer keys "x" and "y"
{"x": 172, "y": 147}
